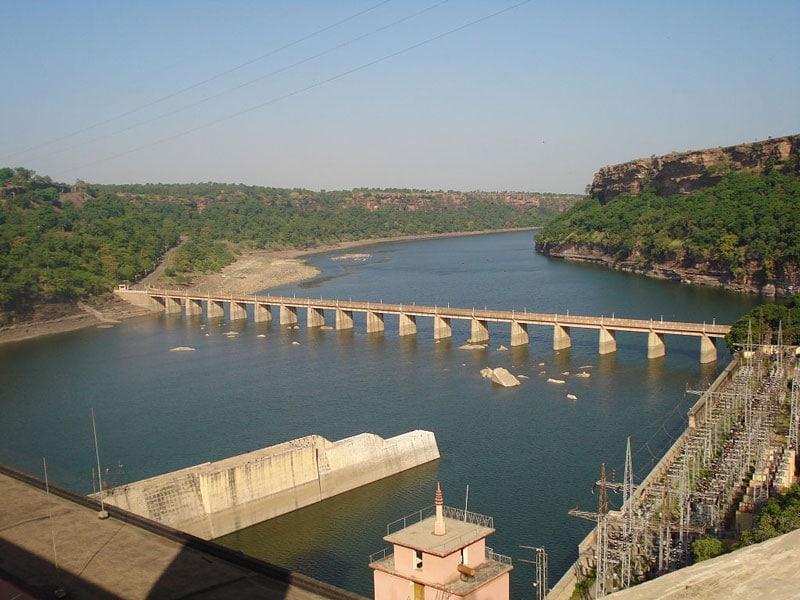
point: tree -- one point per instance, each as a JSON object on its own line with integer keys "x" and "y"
{"x": 707, "y": 547}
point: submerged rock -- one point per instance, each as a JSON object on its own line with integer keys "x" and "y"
{"x": 501, "y": 376}
{"x": 472, "y": 347}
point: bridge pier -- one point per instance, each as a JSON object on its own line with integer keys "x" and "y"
{"x": 441, "y": 328}
{"x": 519, "y": 333}
{"x": 561, "y": 338}
{"x": 479, "y": 332}
{"x": 655, "y": 345}
{"x": 214, "y": 309}
{"x": 315, "y": 317}
{"x": 408, "y": 325}
{"x": 375, "y": 322}
{"x": 262, "y": 312}
{"x": 344, "y": 319}
{"x": 288, "y": 315}
{"x": 608, "y": 341}
{"x": 193, "y": 307}
{"x": 172, "y": 305}
{"x": 238, "y": 311}
{"x": 708, "y": 350}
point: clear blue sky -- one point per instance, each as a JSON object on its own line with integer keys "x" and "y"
{"x": 336, "y": 94}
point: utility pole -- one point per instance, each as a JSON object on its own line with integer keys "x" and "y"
{"x": 601, "y": 550}
{"x": 540, "y": 563}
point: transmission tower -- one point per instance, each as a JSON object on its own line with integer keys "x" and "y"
{"x": 601, "y": 548}
{"x": 541, "y": 583}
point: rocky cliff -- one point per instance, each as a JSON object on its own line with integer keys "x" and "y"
{"x": 683, "y": 172}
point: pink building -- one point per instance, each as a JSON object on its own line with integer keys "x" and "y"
{"x": 440, "y": 553}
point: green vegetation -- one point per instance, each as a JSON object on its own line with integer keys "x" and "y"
{"x": 60, "y": 245}
{"x": 778, "y": 516}
{"x": 745, "y": 224}
{"x": 57, "y": 251}
{"x": 707, "y": 547}
{"x": 764, "y": 322}
{"x": 584, "y": 586}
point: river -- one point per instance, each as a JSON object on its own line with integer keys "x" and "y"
{"x": 528, "y": 454}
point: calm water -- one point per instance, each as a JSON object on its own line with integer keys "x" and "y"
{"x": 527, "y": 454}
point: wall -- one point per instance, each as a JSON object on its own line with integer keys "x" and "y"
{"x": 213, "y": 499}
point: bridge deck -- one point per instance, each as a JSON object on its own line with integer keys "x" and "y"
{"x": 498, "y": 316}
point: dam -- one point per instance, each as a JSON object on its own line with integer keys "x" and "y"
{"x": 216, "y": 498}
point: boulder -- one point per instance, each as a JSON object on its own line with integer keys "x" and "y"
{"x": 501, "y": 376}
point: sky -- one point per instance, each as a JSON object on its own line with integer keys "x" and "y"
{"x": 494, "y": 95}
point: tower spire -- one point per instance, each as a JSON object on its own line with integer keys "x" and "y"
{"x": 438, "y": 524}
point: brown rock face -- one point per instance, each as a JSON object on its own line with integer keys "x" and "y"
{"x": 684, "y": 172}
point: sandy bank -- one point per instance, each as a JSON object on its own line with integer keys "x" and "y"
{"x": 252, "y": 272}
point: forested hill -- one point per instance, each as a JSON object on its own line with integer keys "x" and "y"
{"x": 61, "y": 243}
{"x": 735, "y": 224}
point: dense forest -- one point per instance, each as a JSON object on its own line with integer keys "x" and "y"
{"x": 747, "y": 227}
{"x": 768, "y": 324}
{"x": 62, "y": 243}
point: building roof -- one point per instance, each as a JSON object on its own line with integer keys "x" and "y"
{"x": 57, "y": 542}
{"x": 770, "y": 569}
{"x": 420, "y": 536}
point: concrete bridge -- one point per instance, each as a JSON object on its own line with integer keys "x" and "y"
{"x": 290, "y": 310}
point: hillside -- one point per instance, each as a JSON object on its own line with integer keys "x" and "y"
{"x": 727, "y": 217}
{"x": 684, "y": 172}
{"x": 62, "y": 244}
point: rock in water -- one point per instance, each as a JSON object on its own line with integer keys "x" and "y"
{"x": 182, "y": 349}
{"x": 501, "y": 376}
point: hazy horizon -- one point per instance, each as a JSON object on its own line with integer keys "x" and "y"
{"x": 441, "y": 95}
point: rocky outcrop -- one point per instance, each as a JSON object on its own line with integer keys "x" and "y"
{"x": 785, "y": 284}
{"x": 684, "y": 172}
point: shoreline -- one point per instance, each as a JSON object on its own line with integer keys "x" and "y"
{"x": 251, "y": 272}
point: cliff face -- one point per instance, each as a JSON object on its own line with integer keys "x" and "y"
{"x": 753, "y": 281}
{"x": 683, "y": 172}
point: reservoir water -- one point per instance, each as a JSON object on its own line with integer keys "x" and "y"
{"x": 528, "y": 454}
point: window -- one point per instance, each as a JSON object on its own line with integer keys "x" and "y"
{"x": 417, "y": 559}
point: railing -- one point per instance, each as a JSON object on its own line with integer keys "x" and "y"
{"x": 565, "y": 320}
{"x": 501, "y": 558}
{"x": 457, "y": 514}
{"x": 380, "y": 554}
{"x": 490, "y": 554}
{"x": 460, "y": 514}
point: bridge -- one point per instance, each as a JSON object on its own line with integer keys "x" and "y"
{"x": 343, "y": 311}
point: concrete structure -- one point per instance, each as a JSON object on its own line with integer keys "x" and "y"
{"x": 56, "y": 541}
{"x": 213, "y": 499}
{"x": 170, "y": 301}
{"x": 440, "y": 555}
{"x": 766, "y": 570}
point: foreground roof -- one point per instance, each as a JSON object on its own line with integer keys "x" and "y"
{"x": 124, "y": 556}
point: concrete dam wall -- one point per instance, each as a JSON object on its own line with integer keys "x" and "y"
{"x": 213, "y": 499}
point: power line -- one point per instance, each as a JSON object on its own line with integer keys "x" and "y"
{"x": 307, "y": 88}
{"x": 247, "y": 83}
{"x": 197, "y": 84}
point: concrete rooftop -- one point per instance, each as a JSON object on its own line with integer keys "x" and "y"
{"x": 420, "y": 536}
{"x": 124, "y": 556}
{"x": 769, "y": 570}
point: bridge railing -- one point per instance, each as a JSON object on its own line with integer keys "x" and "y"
{"x": 533, "y": 318}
